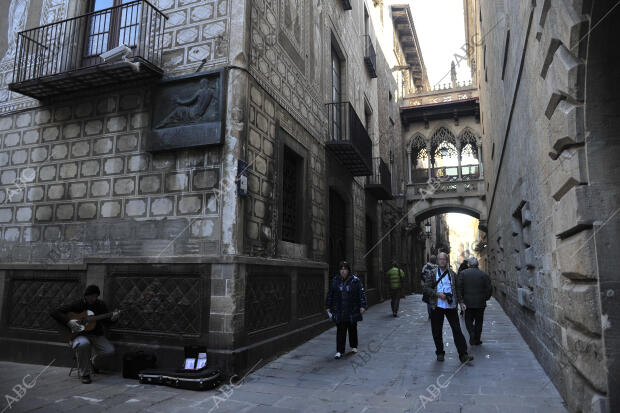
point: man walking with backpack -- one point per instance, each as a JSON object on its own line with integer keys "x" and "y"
{"x": 395, "y": 277}
{"x": 440, "y": 290}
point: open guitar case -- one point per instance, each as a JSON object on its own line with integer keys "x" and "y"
{"x": 201, "y": 379}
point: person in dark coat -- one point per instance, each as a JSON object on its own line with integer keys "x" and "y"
{"x": 346, "y": 302}
{"x": 93, "y": 340}
{"x": 474, "y": 286}
{"x": 464, "y": 265}
{"x": 429, "y": 268}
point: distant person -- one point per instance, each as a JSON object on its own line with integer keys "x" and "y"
{"x": 440, "y": 288}
{"x": 429, "y": 268}
{"x": 462, "y": 267}
{"x": 474, "y": 286}
{"x": 395, "y": 276}
{"x": 346, "y": 302}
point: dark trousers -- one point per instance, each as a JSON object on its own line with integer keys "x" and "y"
{"x": 473, "y": 321}
{"x": 395, "y": 294}
{"x": 437, "y": 327}
{"x": 341, "y": 336}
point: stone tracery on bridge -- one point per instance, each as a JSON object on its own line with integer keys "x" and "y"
{"x": 444, "y": 159}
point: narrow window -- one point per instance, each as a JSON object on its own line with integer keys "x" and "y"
{"x": 292, "y": 189}
{"x": 336, "y": 95}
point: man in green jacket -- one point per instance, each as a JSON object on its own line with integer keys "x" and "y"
{"x": 395, "y": 277}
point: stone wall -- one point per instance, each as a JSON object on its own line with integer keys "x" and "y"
{"x": 76, "y": 183}
{"x": 551, "y": 193}
{"x": 270, "y": 128}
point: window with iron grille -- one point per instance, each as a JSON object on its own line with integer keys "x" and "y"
{"x": 292, "y": 186}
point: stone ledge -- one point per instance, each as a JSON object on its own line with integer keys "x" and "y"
{"x": 569, "y": 172}
{"x": 575, "y": 256}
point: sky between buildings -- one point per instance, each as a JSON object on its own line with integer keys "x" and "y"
{"x": 440, "y": 28}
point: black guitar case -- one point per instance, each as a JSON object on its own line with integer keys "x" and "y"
{"x": 203, "y": 379}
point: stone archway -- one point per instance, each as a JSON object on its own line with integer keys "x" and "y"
{"x": 474, "y": 207}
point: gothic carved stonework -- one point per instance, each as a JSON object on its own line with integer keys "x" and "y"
{"x": 310, "y": 291}
{"x": 30, "y": 300}
{"x": 167, "y": 304}
{"x": 267, "y": 301}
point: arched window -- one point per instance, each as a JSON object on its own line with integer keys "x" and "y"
{"x": 470, "y": 158}
{"x": 420, "y": 160}
{"x": 444, "y": 154}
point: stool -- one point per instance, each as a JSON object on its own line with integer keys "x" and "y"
{"x": 76, "y": 362}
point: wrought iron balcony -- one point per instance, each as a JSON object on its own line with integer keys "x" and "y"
{"x": 348, "y": 139}
{"x": 63, "y": 58}
{"x": 379, "y": 184}
{"x": 370, "y": 58}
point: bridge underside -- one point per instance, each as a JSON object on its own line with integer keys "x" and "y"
{"x": 423, "y": 207}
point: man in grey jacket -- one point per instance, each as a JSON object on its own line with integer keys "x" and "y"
{"x": 474, "y": 288}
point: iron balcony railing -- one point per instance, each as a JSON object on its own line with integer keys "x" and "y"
{"x": 370, "y": 57}
{"x": 380, "y": 182}
{"x": 348, "y": 138}
{"x": 76, "y": 43}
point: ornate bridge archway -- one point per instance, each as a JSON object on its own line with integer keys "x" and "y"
{"x": 445, "y": 173}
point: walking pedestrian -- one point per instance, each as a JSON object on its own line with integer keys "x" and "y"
{"x": 346, "y": 302}
{"x": 464, "y": 265}
{"x": 395, "y": 276}
{"x": 474, "y": 286}
{"x": 429, "y": 268}
{"x": 442, "y": 294}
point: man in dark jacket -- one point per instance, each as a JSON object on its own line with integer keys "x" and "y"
{"x": 440, "y": 287}
{"x": 429, "y": 268}
{"x": 474, "y": 286}
{"x": 92, "y": 340}
{"x": 346, "y": 302}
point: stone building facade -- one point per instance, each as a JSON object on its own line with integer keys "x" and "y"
{"x": 549, "y": 104}
{"x": 133, "y": 175}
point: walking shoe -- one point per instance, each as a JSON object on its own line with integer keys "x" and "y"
{"x": 354, "y": 349}
{"x": 86, "y": 379}
{"x": 395, "y": 315}
{"x": 338, "y": 355}
{"x": 440, "y": 357}
{"x": 465, "y": 358}
{"x": 479, "y": 342}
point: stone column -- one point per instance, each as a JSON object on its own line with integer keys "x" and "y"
{"x": 430, "y": 161}
{"x": 458, "y": 156}
{"x": 480, "y": 161}
{"x": 409, "y": 163}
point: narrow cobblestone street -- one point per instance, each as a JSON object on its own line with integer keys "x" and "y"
{"x": 394, "y": 371}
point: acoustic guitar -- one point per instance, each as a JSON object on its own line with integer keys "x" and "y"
{"x": 87, "y": 320}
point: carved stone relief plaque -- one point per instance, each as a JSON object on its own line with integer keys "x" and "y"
{"x": 188, "y": 111}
